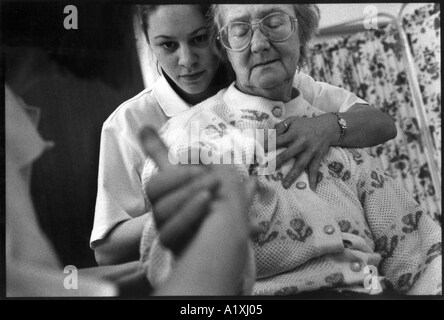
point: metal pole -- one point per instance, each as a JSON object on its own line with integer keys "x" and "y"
{"x": 419, "y": 109}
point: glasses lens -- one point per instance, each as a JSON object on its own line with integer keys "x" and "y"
{"x": 277, "y": 27}
{"x": 236, "y": 35}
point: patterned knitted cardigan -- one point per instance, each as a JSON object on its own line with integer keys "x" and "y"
{"x": 360, "y": 230}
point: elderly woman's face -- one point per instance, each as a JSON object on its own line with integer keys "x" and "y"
{"x": 264, "y": 67}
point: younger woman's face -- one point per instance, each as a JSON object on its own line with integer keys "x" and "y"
{"x": 180, "y": 41}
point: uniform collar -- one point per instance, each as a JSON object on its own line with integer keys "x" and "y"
{"x": 295, "y": 107}
{"x": 168, "y": 99}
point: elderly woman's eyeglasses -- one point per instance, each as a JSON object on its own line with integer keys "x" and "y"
{"x": 277, "y": 27}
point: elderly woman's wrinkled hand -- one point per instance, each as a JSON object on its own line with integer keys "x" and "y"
{"x": 308, "y": 141}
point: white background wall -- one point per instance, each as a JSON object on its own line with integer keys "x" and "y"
{"x": 332, "y": 14}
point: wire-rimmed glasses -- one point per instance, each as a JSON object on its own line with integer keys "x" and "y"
{"x": 277, "y": 27}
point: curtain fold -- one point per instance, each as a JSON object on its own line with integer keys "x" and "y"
{"x": 370, "y": 64}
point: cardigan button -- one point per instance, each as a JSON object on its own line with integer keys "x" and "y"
{"x": 301, "y": 185}
{"x": 277, "y": 112}
{"x": 329, "y": 229}
{"x": 355, "y": 266}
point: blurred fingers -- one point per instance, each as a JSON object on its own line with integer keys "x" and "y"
{"x": 177, "y": 232}
{"x": 154, "y": 147}
{"x": 174, "y": 178}
{"x": 171, "y": 204}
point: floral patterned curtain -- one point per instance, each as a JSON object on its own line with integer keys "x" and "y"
{"x": 370, "y": 64}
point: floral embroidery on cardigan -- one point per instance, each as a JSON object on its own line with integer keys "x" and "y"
{"x": 287, "y": 291}
{"x": 378, "y": 180}
{"x": 385, "y": 248}
{"x": 334, "y": 279}
{"x": 435, "y": 251}
{"x": 405, "y": 281}
{"x": 346, "y": 226}
{"x": 301, "y": 230}
{"x": 254, "y": 115}
{"x": 411, "y": 222}
{"x": 264, "y": 237}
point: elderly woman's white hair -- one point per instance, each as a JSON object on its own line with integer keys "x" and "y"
{"x": 308, "y": 16}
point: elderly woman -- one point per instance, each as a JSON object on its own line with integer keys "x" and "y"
{"x": 358, "y": 228}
